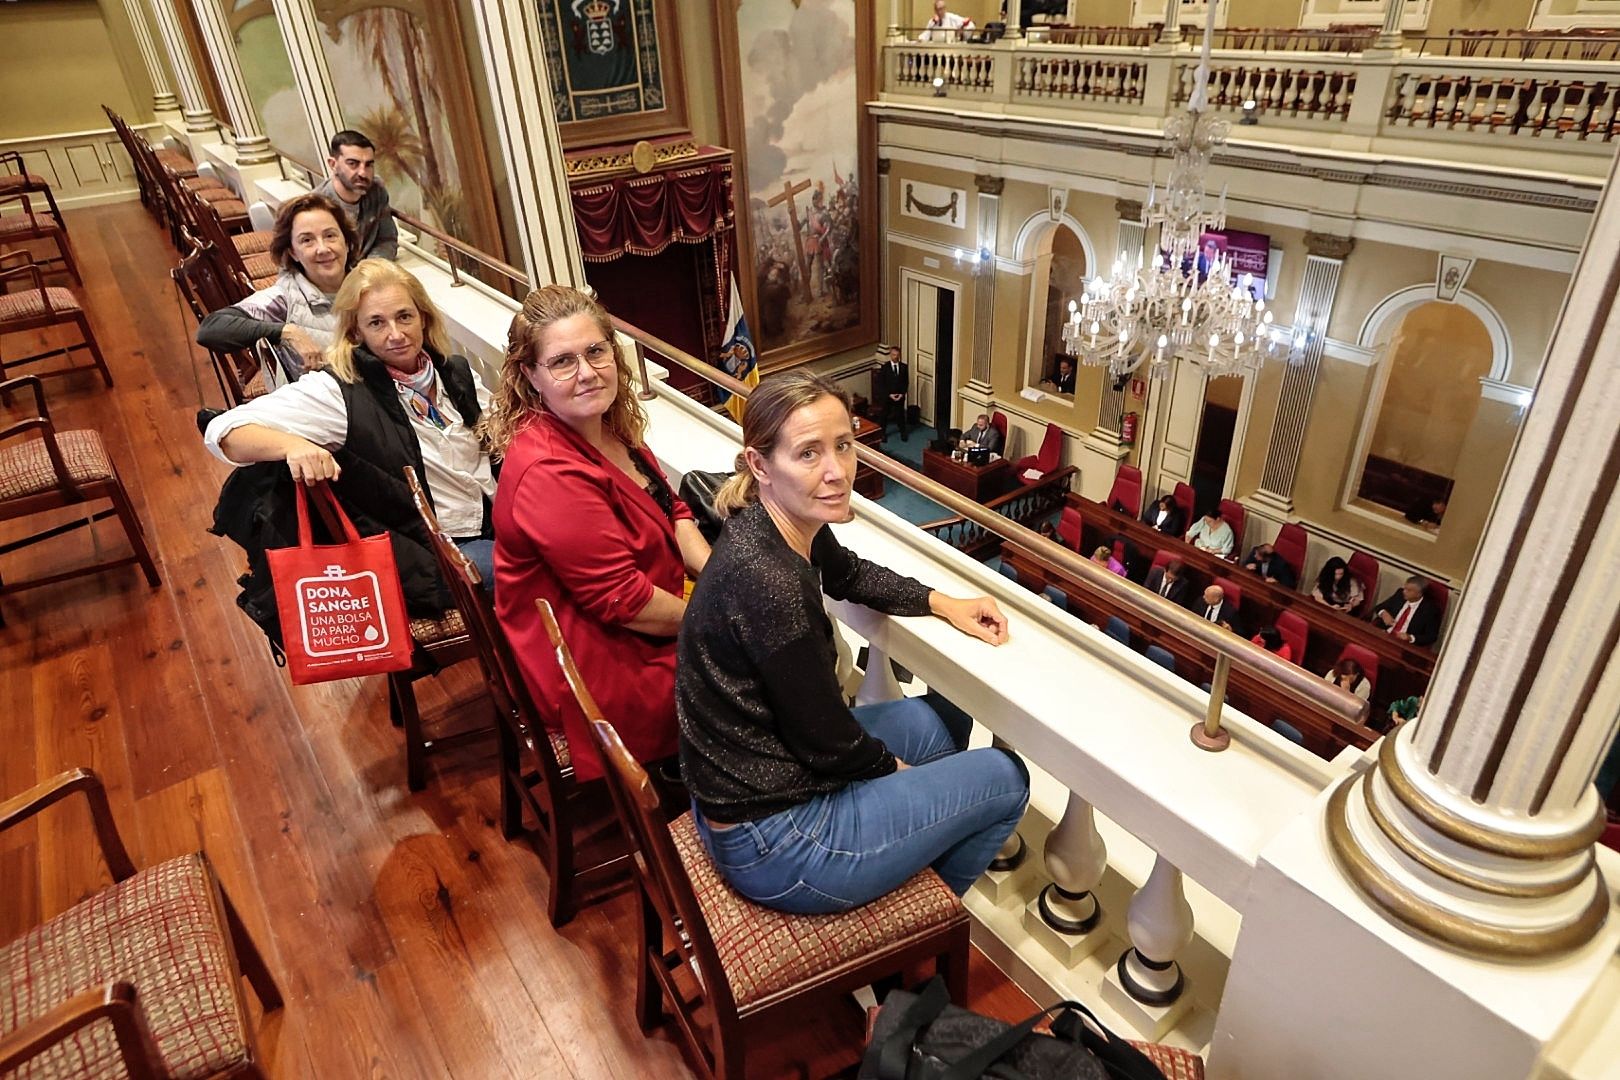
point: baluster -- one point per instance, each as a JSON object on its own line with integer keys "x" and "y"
{"x": 1161, "y": 925}
{"x": 1398, "y": 109}
{"x": 1116, "y": 79}
{"x": 879, "y": 683}
{"x": 1602, "y": 121}
{"x": 1319, "y": 85}
{"x": 1076, "y": 858}
{"x": 1475, "y": 114}
{"x": 1453, "y": 110}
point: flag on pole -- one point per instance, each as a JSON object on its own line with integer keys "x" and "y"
{"x": 737, "y": 356}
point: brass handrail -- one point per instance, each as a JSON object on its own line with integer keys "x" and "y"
{"x": 1229, "y": 649}
{"x": 506, "y": 270}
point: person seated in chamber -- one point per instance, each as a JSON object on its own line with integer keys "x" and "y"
{"x": 1337, "y": 587}
{"x": 585, "y": 519}
{"x": 315, "y": 247}
{"x": 806, "y": 805}
{"x": 390, "y": 395}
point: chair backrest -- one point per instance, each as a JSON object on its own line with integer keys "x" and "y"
{"x": 501, "y": 671}
{"x": 1237, "y": 516}
{"x": 658, "y": 865}
{"x": 1233, "y": 591}
{"x": 1068, "y": 527}
{"x": 998, "y": 420}
{"x": 1161, "y": 557}
{"x": 1290, "y": 546}
{"x": 1364, "y": 568}
{"x": 1296, "y": 632}
{"x": 1051, "y": 449}
{"x": 1439, "y": 593}
{"x": 1127, "y": 490}
{"x": 1288, "y": 731}
{"x": 1115, "y": 628}
{"x": 1056, "y": 596}
{"x": 1184, "y": 496}
{"x": 1161, "y": 656}
{"x": 1006, "y": 570}
{"x": 1366, "y": 658}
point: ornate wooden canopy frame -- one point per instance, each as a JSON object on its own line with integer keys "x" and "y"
{"x": 865, "y": 330}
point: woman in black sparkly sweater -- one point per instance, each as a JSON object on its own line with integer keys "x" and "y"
{"x": 806, "y": 805}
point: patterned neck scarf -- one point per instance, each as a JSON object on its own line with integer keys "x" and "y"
{"x": 420, "y": 391}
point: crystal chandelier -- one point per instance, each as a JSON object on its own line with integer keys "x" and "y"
{"x": 1185, "y": 303}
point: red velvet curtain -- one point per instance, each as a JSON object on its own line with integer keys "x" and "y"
{"x": 642, "y": 215}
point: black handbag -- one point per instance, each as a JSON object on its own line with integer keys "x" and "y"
{"x": 922, "y": 1036}
{"x": 698, "y": 489}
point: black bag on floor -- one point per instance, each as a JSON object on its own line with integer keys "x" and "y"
{"x": 923, "y": 1036}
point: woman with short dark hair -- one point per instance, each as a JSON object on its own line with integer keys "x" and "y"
{"x": 806, "y": 805}
{"x": 315, "y": 247}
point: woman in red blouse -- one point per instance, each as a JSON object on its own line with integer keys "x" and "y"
{"x": 585, "y": 519}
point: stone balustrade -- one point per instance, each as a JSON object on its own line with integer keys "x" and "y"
{"x": 1362, "y": 100}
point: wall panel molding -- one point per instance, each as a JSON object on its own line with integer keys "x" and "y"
{"x": 84, "y": 168}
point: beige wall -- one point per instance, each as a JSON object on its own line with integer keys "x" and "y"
{"x": 700, "y": 61}
{"x": 58, "y": 57}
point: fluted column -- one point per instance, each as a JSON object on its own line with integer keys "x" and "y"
{"x": 193, "y": 102}
{"x": 896, "y": 31}
{"x": 1077, "y": 858}
{"x": 163, "y": 99}
{"x": 252, "y": 145}
{"x": 527, "y": 124}
{"x": 1171, "y": 34}
{"x": 301, "y": 33}
{"x": 1324, "y": 263}
{"x": 1477, "y": 824}
{"x": 984, "y": 279}
{"x": 1390, "y": 36}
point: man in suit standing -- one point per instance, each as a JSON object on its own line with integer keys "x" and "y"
{"x": 1409, "y": 615}
{"x": 1169, "y": 582}
{"x": 1264, "y": 561}
{"x": 982, "y": 436}
{"x": 1217, "y": 610}
{"x": 894, "y": 383}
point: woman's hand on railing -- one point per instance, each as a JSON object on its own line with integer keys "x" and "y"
{"x": 976, "y": 616}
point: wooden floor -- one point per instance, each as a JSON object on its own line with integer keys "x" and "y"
{"x": 409, "y": 938}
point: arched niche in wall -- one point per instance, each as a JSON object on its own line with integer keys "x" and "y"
{"x": 1434, "y": 358}
{"x": 1060, "y": 255}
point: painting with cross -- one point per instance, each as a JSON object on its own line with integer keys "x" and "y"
{"x": 807, "y": 151}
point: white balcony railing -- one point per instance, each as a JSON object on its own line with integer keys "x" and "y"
{"x": 1561, "y": 99}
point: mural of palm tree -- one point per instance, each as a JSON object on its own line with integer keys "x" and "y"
{"x": 397, "y": 42}
{"x": 399, "y": 151}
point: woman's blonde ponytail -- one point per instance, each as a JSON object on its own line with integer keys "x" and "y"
{"x": 737, "y": 492}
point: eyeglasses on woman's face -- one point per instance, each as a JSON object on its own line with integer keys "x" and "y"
{"x": 564, "y": 366}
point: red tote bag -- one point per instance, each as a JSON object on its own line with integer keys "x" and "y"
{"x": 342, "y": 609}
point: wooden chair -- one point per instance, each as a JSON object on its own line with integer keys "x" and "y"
{"x": 1046, "y": 460}
{"x": 575, "y": 832}
{"x": 206, "y": 290}
{"x": 726, "y": 967}
{"x": 22, "y": 226}
{"x": 39, "y": 307}
{"x": 27, "y": 183}
{"x": 61, "y": 468}
{"x": 143, "y": 979}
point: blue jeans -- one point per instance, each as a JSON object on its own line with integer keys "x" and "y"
{"x": 951, "y": 810}
{"x": 481, "y": 553}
